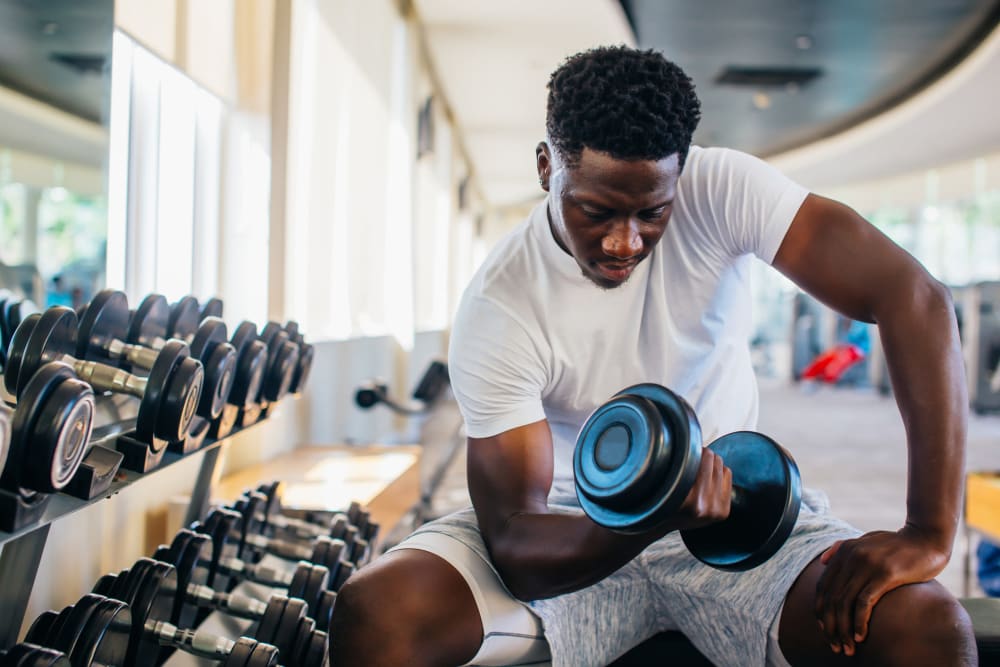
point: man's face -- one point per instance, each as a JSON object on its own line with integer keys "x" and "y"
{"x": 608, "y": 213}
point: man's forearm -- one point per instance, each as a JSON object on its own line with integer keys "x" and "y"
{"x": 928, "y": 378}
{"x": 544, "y": 555}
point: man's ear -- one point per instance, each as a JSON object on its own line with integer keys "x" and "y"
{"x": 543, "y": 163}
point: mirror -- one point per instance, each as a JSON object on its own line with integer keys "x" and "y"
{"x": 55, "y": 88}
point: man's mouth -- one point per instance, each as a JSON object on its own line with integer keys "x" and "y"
{"x": 616, "y": 271}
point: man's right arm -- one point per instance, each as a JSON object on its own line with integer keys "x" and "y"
{"x": 541, "y": 554}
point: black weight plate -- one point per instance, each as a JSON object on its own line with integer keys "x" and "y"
{"x": 61, "y": 433}
{"x": 220, "y": 367}
{"x": 52, "y": 337}
{"x": 152, "y": 600}
{"x": 303, "y": 633}
{"x": 269, "y": 622}
{"x": 316, "y": 585}
{"x": 270, "y": 330}
{"x": 15, "y": 352}
{"x": 148, "y": 420}
{"x": 338, "y": 527}
{"x": 27, "y": 420}
{"x": 211, "y": 330}
{"x": 324, "y": 609}
{"x": 184, "y": 318}
{"x": 316, "y": 650}
{"x": 301, "y": 376}
{"x": 105, "y": 585}
{"x": 243, "y": 334}
{"x": 219, "y": 525}
{"x": 282, "y": 359}
{"x": 636, "y": 458}
{"x": 33, "y": 655}
{"x": 180, "y": 402}
{"x": 297, "y": 587}
{"x": 327, "y": 551}
{"x": 240, "y": 654}
{"x": 19, "y": 312}
{"x": 211, "y": 308}
{"x": 106, "y": 319}
{"x": 149, "y": 323}
{"x": 5, "y": 434}
{"x": 6, "y": 330}
{"x": 286, "y": 634}
{"x": 273, "y": 491}
{"x": 105, "y": 637}
{"x": 343, "y": 573}
{"x": 68, "y": 630}
{"x": 767, "y": 494}
{"x": 292, "y": 328}
{"x": 40, "y": 631}
{"x": 197, "y": 549}
{"x": 250, "y": 367}
{"x": 264, "y": 655}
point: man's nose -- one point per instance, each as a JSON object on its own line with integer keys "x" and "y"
{"x": 623, "y": 242}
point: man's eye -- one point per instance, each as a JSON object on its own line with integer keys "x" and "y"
{"x": 654, "y": 213}
{"x": 595, "y": 215}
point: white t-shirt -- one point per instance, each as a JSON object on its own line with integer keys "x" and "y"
{"x": 534, "y": 339}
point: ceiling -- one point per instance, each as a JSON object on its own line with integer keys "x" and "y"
{"x": 867, "y": 57}
{"x": 493, "y": 61}
{"x": 59, "y": 52}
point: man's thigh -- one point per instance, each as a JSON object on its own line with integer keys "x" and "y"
{"x": 732, "y": 617}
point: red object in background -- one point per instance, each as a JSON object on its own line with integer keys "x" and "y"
{"x": 831, "y": 365}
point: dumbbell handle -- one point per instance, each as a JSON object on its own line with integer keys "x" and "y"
{"x": 232, "y": 604}
{"x": 107, "y": 378}
{"x": 137, "y": 355}
{"x": 258, "y": 574}
{"x": 200, "y": 643}
{"x": 280, "y": 548}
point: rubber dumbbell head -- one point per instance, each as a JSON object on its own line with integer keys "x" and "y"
{"x": 637, "y": 458}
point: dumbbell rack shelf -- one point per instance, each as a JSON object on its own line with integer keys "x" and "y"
{"x": 21, "y": 550}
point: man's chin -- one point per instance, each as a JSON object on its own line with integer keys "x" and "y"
{"x": 602, "y": 281}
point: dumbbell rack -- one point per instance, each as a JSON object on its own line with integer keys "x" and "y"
{"x": 21, "y": 550}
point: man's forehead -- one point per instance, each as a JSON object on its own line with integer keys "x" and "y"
{"x": 598, "y": 172}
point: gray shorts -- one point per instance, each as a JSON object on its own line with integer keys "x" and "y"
{"x": 732, "y": 618}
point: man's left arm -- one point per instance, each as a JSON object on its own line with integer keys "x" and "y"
{"x": 838, "y": 257}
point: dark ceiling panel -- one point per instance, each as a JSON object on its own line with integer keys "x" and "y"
{"x": 867, "y": 56}
{"x": 59, "y": 52}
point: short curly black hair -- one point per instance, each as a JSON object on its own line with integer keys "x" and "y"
{"x": 629, "y": 103}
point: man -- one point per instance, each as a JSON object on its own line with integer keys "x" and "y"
{"x": 635, "y": 269}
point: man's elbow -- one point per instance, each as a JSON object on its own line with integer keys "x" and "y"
{"x": 515, "y": 570}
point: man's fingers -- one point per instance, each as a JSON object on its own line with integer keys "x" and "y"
{"x": 863, "y": 606}
{"x": 825, "y": 557}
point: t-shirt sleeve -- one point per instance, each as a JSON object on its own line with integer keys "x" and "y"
{"x": 751, "y": 204}
{"x": 496, "y": 370}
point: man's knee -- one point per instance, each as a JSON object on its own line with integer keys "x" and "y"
{"x": 918, "y": 624}
{"x": 409, "y": 607}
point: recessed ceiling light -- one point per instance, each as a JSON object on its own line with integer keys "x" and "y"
{"x": 804, "y": 42}
{"x": 50, "y": 28}
{"x": 761, "y": 101}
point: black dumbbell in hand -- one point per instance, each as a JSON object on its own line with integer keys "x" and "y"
{"x": 169, "y": 395}
{"x": 636, "y": 460}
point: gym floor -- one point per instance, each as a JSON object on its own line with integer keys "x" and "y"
{"x": 848, "y": 443}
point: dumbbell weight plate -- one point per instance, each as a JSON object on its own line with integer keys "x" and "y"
{"x": 149, "y": 323}
{"x": 51, "y": 427}
{"x": 52, "y": 337}
{"x": 15, "y": 352}
{"x": 302, "y": 645}
{"x": 105, "y": 635}
{"x": 279, "y": 625}
{"x": 301, "y": 376}
{"x": 152, "y": 586}
{"x": 211, "y": 308}
{"x": 166, "y": 410}
{"x": 56, "y": 446}
{"x": 219, "y": 359}
{"x": 219, "y": 525}
{"x": 308, "y": 583}
{"x": 104, "y": 320}
{"x": 32, "y": 655}
{"x": 187, "y": 383}
{"x": 184, "y": 318}
{"x": 767, "y": 496}
{"x": 636, "y": 458}
{"x": 43, "y": 628}
{"x": 67, "y": 633}
{"x": 282, "y": 358}
{"x": 324, "y": 610}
